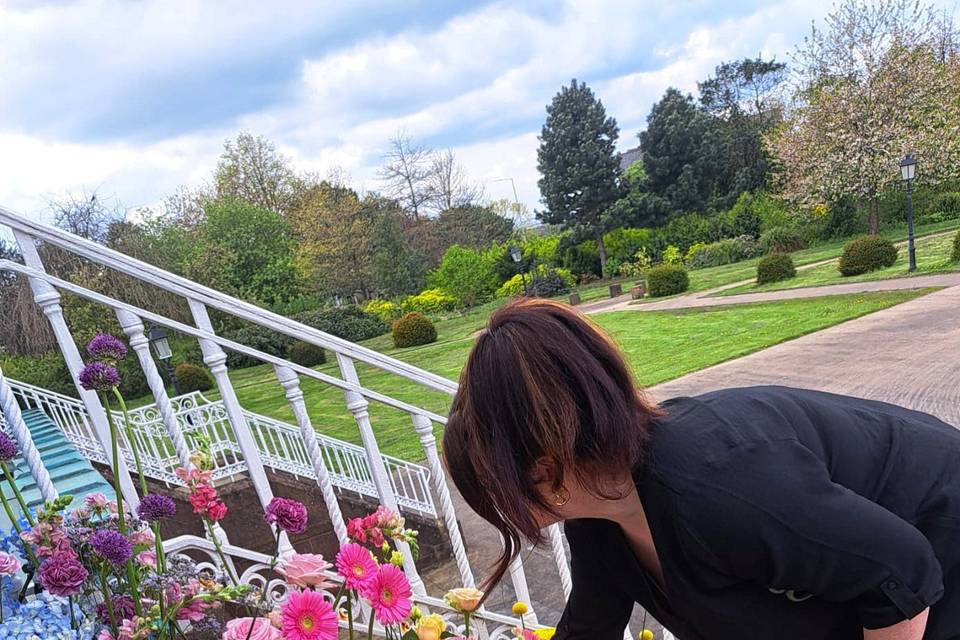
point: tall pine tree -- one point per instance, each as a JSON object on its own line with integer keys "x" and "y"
{"x": 579, "y": 168}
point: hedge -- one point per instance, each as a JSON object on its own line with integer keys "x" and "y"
{"x": 775, "y": 267}
{"x": 666, "y": 280}
{"x": 867, "y": 253}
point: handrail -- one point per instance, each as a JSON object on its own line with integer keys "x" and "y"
{"x": 234, "y": 306}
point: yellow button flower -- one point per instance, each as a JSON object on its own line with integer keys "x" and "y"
{"x": 545, "y": 634}
{"x": 646, "y": 634}
{"x": 520, "y": 608}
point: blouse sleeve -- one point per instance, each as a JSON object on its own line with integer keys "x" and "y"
{"x": 771, "y": 514}
{"x": 595, "y": 610}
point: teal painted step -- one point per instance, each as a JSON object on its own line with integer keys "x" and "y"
{"x": 70, "y": 471}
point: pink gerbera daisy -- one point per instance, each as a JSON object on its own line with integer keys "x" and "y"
{"x": 307, "y": 616}
{"x": 389, "y": 595}
{"x": 356, "y": 565}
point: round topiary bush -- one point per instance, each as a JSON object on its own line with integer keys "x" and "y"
{"x": 412, "y": 330}
{"x": 781, "y": 240}
{"x": 867, "y": 253}
{"x": 192, "y": 377}
{"x": 775, "y": 267}
{"x": 306, "y": 354}
{"x": 666, "y": 280}
{"x": 955, "y": 257}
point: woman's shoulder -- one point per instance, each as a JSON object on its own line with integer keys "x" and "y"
{"x": 699, "y": 432}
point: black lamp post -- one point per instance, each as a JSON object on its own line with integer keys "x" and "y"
{"x": 517, "y": 256}
{"x": 161, "y": 349}
{"x": 908, "y": 167}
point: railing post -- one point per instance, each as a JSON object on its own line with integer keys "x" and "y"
{"x": 424, "y": 428}
{"x": 133, "y": 327}
{"x": 14, "y": 419}
{"x": 290, "y": 382}
{"x": 560, "y": 555}
{"x": 48, "y": 298}
{"x": 215, "y": 358}
{"x": 358, "y": 406}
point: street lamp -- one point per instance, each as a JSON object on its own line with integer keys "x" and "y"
{"x": 517, "y": 256}
{"x": 908, "y": 167}
{"x": 161, "y": 348}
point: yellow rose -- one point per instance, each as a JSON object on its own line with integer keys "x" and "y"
{"x": 545, "y": 634}
{"x": 646, "y": 634}
{"x": 430, "y": 627}
{"x": 465, "y": 599}
{"x": 520, "y": 608}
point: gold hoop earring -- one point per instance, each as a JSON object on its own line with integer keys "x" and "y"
{"x": 561, "y": 497}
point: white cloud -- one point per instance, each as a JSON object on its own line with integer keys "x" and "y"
{"x": 478, "y": 82}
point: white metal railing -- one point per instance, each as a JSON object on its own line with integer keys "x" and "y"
{"x": 281, "y": 447}
{"x": 246, "y": 442}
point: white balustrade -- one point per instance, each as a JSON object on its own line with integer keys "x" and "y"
{"x": 243, "y": 442}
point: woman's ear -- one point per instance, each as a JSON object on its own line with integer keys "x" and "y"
{"x": 547, "y": 472}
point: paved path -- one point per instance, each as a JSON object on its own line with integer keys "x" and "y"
{"x": 908, "y": 354}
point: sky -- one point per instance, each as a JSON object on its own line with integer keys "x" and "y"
{"x": 134, "y": 99}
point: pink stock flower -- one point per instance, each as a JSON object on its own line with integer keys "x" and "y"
{"x": 105, "y": 635}
{"x": 142, "y": 537}
{"x": 356, "y": 530}
{"x": 305, "y": 570}
{"x": 96, "y": 501}
{"x": 217, "y": 511}
{"x": 389, "y": 594}
{"x": 356, "y": 565}
{"x": 307, "y": 616}
{"x": 9, "y": 564}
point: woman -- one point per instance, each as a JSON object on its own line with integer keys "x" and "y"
{"x": 759, "y": 513}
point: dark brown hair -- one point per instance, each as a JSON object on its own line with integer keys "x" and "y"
{"x": 542, "y": 382}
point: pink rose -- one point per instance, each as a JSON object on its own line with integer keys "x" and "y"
{"x": 147, "y": 559}
{"x": 305, "y": 570}
{"x": 239, "y": 629}
{"x": 143, "y": 536}
{"x": 97, "y": 501}
{"x": 9, "y": 564}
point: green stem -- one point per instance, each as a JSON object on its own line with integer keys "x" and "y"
{"x": 370, "y": 626}
{"x": 73, "y": 615}
{"x": 158, "y": 543}
{"x": 220, "y": 554}
{"x": 466, "y": 623}
{"x": 349, "y": 614}
{"x": 18, "y": 529}
{"x": 130, "y": 441}
{"x": 16, "y": 492}
{"x": 134, "y": 588}
{"x": 115, "y": 453}
{"x": 108, "y": 602}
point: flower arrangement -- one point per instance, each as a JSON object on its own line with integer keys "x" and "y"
{"x": 97, "y": 570}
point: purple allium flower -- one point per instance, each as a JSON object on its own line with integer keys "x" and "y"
{"x": 123, "y": 609}
{"x": 98, "y": 376}
{"x": 112, "y": 546}
{"x": 154, "y": 507}
{"x": 289, "y": 515}
{"x": 8, "y": 448}
{"x": 106, "y": 347}
{"x": 62, "y": 574}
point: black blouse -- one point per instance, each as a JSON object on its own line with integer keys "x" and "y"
{"x": 782, "y": 514}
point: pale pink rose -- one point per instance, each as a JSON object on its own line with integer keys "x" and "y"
{"x": 144, "y": 536}
{"x": 305, "y": 570}
{"x": 104, "y": 635}
{"x": 97, "y": 501}
{"x": 239, "y": 629}
{"x": 9, "y": 564}
{"x": 276, "y": 618}
{"x": 147, "y": 559}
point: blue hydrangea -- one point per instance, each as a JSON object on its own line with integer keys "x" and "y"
{"x": 45, "y": 618}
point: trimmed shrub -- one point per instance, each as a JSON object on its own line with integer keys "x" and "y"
{"x": 781, "y": 240}
{"x": 955, "y": 256}
{"x": 725, "y": 252}
{"x": 192, "y": 377}
{"x": 430, "y": 301}
{"x": 412, "y": 330}
{"x": 666, "y": 280}
{"x": 545, "y": 282}
{"x": 349, "y": 322}
{"x": 306, "y": 354}
{"x": 775, "y": 267}
{"x": 386, "y": 310}
{"x": 466, "y": 275}
{"x": 260, "y": 338}
{"x": 867, "y": 253}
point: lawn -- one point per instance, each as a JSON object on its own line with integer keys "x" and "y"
{"x": 933, "y": 256}
{"x": 659, "y": 346}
